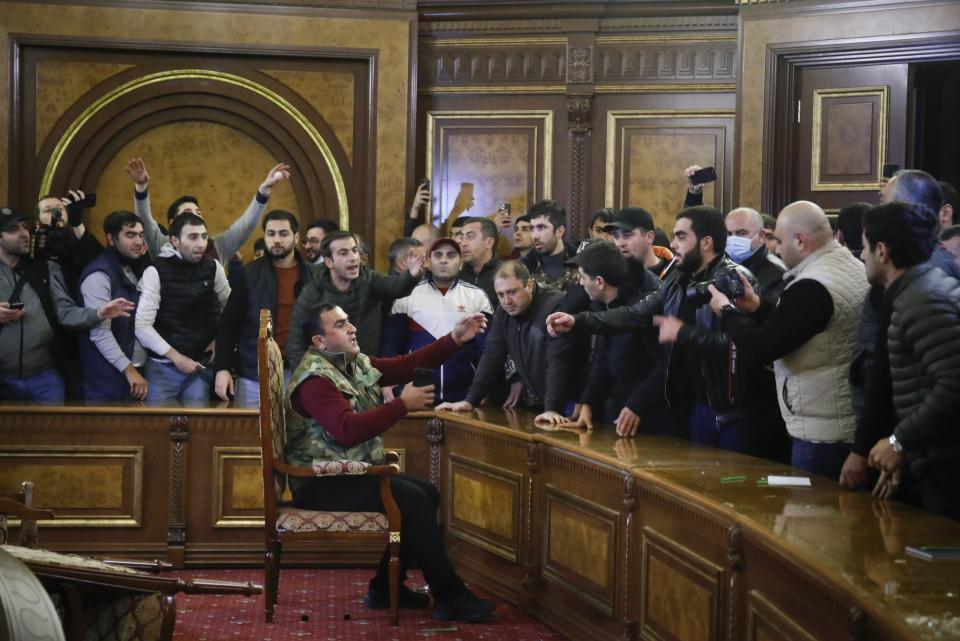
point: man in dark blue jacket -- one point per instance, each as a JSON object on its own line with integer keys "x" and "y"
{"x": 272, "y": 282}
{"x": 625, "y": 386}
{"x": 110, "y": 353}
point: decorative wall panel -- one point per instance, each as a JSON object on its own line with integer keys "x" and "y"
{"x": 849, "y": 138}
{"x": 766, "y": 622}
{"x": 237, "y": 491}
{"x": 478, "y": 159}
{"x": 580, "y": 548}
{"x": 484, "y": 504}
{"x": 636, "y": 59}
{"x": 680, "y": 591}
{"x": 479, "y": 62}
{"x": 86, "y": 486}
{"x": 648, "y": 151}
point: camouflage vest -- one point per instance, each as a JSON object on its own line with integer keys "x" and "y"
{"x": 307, "y": 441}
{"x": 570, "y": 277}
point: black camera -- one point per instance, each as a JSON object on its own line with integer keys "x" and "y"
{"x": 724, "y": 279}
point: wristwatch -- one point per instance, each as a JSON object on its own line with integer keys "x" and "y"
{"x": 895, "y": 444}
{"x": 728, "y": 308}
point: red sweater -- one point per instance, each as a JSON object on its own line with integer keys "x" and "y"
{"x": 319, "y": 398}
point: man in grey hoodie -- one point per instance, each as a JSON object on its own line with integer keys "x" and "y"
{"x": 34, "y": 303}
{"x": 223, "y": 246}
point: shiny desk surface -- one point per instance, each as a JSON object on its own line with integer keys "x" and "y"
{"x": 849, "y": 538}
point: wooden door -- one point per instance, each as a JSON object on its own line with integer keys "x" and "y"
{"x": 849, "y": 121}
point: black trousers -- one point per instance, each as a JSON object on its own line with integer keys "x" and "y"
{"x": 421, "y": 541}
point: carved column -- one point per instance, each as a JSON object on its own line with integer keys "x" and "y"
{"x": 580, "y": 65}
{"x": 734, "y": 568}
{"x": 531, "y": 576}
{"x": 177, "y": 527}
{"x": 435, "y": 438}
{"x": 629, "y": 503}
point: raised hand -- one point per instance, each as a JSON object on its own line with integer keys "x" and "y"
{"x": 137, "y": 170}
{"x": 689, "y": 172}
{"x": 280, "y": 171}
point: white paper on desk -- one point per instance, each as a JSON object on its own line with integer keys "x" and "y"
{"x": 788, "y": 481}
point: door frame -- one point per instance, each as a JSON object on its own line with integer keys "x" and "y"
{"x": 783, "y": 64}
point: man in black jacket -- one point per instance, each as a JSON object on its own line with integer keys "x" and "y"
{"x": 355, "y": 288}
{"x": 625, "y": 385}
{"x": 725, "y": 402}
{"x": 548, "y": 227}
{"x": 272, "y": 282}
{"x": 746, "y": 245}
{"x": 545, "y": 364}
{"x": 923, "y": 339}
{"x": 478, "y": 245}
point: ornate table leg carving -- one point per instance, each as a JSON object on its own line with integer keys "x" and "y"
{"x": 435, "y": 438}
{"x": 629, "y": 503}
{"x": 177, "y": 527}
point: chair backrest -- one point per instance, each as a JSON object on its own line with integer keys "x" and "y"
{"x": 272, "y": 421}
{"x": 21, "y": 505}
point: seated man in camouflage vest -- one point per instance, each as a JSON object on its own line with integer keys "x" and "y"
{"x": 335, "y": 411}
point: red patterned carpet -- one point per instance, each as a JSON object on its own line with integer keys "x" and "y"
{"x": 332, "y": 600}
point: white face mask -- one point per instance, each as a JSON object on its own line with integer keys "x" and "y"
{"x": 738, "y": 248}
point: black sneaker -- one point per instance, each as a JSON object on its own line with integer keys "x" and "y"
{"x": 466, "y": 607}
{"x": 409, "y": 600}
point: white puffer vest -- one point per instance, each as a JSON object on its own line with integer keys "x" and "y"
{"x": 812, "y": 381}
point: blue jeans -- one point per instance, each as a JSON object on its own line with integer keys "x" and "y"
{"x": 166, "y": 383}
{"x": 825, "y": 459}
{"x": 45, "y": 387}
{"x": 247, "y": 391}
{"x": 760, "y": 433}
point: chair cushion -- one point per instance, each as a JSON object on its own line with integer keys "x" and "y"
{"x": 339, "y": 467}
{"x": 293, "y": 520}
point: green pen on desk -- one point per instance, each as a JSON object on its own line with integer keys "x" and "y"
{"x": 733, "y": 479}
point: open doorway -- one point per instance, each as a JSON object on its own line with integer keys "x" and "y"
{"x": 935, "y": 98}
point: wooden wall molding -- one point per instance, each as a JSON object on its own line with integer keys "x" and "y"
{"x": 283, "y": 7}
{"x": 472, "y": 64}
{"x": 660, "y": 61}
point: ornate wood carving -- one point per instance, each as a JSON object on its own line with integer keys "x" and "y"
{"x": 734, "y": 568}
{"x": 580, "y": 63}
{"x": 629, "y": 503}
{"x": 470, "y": 64}
{"x": 626, "y": 61}
{"x": 579, "y": 117}
{"x": 650, "y": 24}
{"x": 857, "y": 624}
{"x": 435, "y": 438}
{"x": 177, "y": 528}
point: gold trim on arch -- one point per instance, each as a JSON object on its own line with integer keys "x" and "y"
{"x": 883, "y": 94}
{"x": 545, "y": 115}
{"x": 200, "y": 74}
{"x": 614, "y": 116}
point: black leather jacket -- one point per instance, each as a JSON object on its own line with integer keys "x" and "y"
{"x": 733, "y": 388}
{"x": 768, "y": 270}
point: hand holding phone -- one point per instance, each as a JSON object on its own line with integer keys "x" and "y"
{"x": 422, "y": 377}
{"x": 705, "y": 175}
{"x": 16, "y": 306}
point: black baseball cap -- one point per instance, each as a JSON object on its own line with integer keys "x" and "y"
{"x": 9, "y": 218}
{"x": 601, "y": 258}
{"x": 630, "y": 218}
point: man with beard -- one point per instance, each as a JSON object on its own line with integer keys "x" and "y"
{"x": 712, "y": 394}
{"x": 111, "y": 355}
{"x": 35, "y": 306}
{"x": 273, "y": 283}
{"x": 313, "y": 240}
{"x": 357, "y": 289}
{"x": 430, "y": 312}
{"x": 548, "y": 226}
{"x": 181, "y": 295}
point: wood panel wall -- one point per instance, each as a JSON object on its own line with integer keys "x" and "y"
{"x": 584, "y": 104}
{"x": 212, "y": 96}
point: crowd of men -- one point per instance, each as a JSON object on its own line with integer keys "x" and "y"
{"x": 832, "y": 346}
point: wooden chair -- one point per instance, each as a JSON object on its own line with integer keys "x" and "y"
{"x": 103, "y": 599}
{"x": 287, "y": 523}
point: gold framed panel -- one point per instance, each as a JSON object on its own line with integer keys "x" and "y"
{"x": 504, "y": 541}
{"x": 882, "y": 93}
{"x": 540, "y": 123}
{"x": 599, "y": 591}
{"x": 681, "y": 576}
{"x": 201, "y": 74}
{"x": 226, "y": 459}
{"x": 129, "y": 457}
{"x": 615, "y": 148}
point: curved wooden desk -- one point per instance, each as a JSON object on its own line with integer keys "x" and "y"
{"x": 607, "y": 538}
